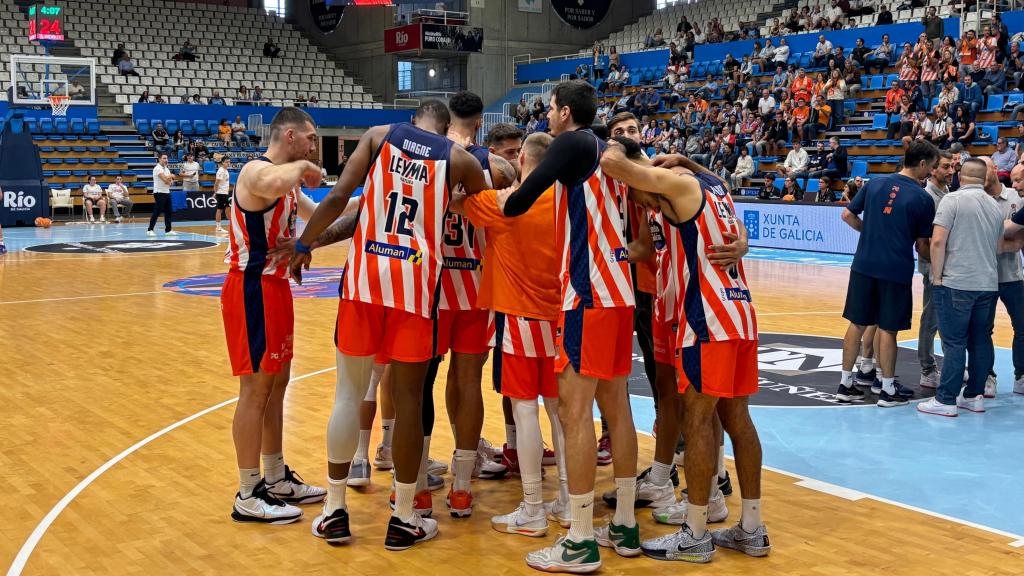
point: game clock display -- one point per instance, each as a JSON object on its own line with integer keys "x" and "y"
{"x": 45, "y": 23}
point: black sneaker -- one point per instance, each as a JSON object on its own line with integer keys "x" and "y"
{"x": 724, "y": 484}
{"x": 333, "y": 527}
{"x": 902, "y": 391}
{"x": 890, "y": 401}
{"x": 404, "y": 535}
{"x": 847, "y": 395}
{"x": 866, "y": 378}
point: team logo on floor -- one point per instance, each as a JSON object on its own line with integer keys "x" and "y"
{"x": 121, "y": 246}
{"x": 316, "y": 283}
{"x": 803, "y": 371}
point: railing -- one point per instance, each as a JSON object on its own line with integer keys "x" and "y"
{"x": 529, "y": 59}
{"x": 490, "y": 119}
{"x": 422, "y": 94}
{"x": 440, "y": 17}
{"x": 406, "y": 102}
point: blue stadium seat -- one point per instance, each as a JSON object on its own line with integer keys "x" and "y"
{"x": 876, "y": 81}
{"x": 890, "y": 79}
{"x": 991, "y": 131}
{"x": 46, "y": 125}
{"x": 88, "y": 161}
{"x": 812, "y": 185}
{"x": 186, "y": 128}
{"x": 780, "y": 182}
{"x": 92, "y": 126}
{"x": 63, "y": 148}
{"x": 699, "y": 70}
{"x": 95, "y": 148}
{"x": 143, "y": 126}
{"x": 80, "y": 173}
{"x": 60, "y": 125}
{"x": 860, "y": 168}
{"x": 995, "y": 103}
{"x": 49, "y": 173}
{"x": 63, "y": 173}
{"x": 80, "y": 148}
{"x": 32, "y": 124}
{"x": 171, "y": 126}
{"x": 114, "y": 173}
{"x": 103, "y": 160}
{"x": 77, "y": 125}
{"x": 46, "y": 148}
{"x": 805, "y": 60}
{"x": 209, "y": 167}
{"x": 54, "y": 160}
{"x": 879, "y": 122}
{"x": 202, "y": 130}
{"x": 1014, "y": 98}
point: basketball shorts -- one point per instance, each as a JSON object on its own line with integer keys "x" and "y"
{"x": 871, "y": 301}
{"x": 259, "y": 322}
{"x": 365, "y": 329}
{"x": 596, "y": 342}
{"x": 726, "y": 369}
{"x": 463, "y": 331}
{"x": 524, "y": 358}
{"x": 664, "y": 334}
{"x": 223, "y": 201}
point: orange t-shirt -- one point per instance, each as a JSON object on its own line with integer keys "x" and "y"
{"x": 522, "y": 267}
{"x": 800, "y": 113}
{"x": 646, "y": 271}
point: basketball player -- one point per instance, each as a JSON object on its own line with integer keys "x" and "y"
{"x": 388, "y": 298}
{"x": 521, "y": 285}
{"x": 716, "y": 347}
{"x": 256, "y": 303}
{"x": 595, "y": 330}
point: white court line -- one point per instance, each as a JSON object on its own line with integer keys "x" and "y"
{"x": 33, "y": 540}
{"x": 87, "y": 297}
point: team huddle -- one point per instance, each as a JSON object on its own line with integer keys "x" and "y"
{"x": 551, "y": 251}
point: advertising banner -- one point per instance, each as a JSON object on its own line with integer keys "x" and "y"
{"x": 403, "y": 38}
{"x": 818, "y": 228}
{"x": 452, "y": 38}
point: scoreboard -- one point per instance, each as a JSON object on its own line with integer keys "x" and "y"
{"x": 45, "y": 23}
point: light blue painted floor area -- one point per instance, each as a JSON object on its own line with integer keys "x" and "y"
{"x": 17, "y": 239}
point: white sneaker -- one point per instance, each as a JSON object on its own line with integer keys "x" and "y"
{"x": 103, "y": 219}
{"x": 679, "y": 458}
{"x": 264, "y": 508}
{"x": 976, "y": 404}
{"x": 359, "y": 473}
{"x": 1018, "y": 386}
{"x": 436, "y": 467}
{"x": 485, "y": 468}
{"x": 519, "y": 522}
{"x": 150, "y": 233}
{"x": 92, "y": 220}
{"x": 676, "y": 513}
{"x": 558, "y": 511}
{"x": 931, "y": 381}
{"x": 936, "y": 408}
{"x": 990, "y": 386}
{"x": 293, "y": 490}
{"x": 118, "y": 219}
{"x": 382, "y": 458}
{"x": 171, "y": 233}
{"x": 220, "y": 230}
{"x": 489, "y": 450}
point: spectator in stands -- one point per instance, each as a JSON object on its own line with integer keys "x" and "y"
{"x": 798, "y": 121}
{"x": 582, "y": 73}
{"x": 160, "y": 138}
{"x": 189, "y": 174}
{"x": 988, "y": 47}
{"x": 834, "y": 14}
{"x": 126, "y": 67}
{"x": 1005, "y": 158}
{"x": 884, "y": 17}
{"x": 721, "y": 171}
{"x": 933, "y": 26}
{"x": 880, "y": 57}
{"x": 243, "y": 95}
{"x": 531, "y": 125}
{"x": 179, "y": 142}
{"x": 835, "y": 93}
{"x": 1014, "y": 64}
{"x": 950, "y": 95}
{"x": 942, "y": 128}
{"x": 781, "y": 52}
{"x": 796, "y": 161}
{"x": 187, "y": 52}
{"x": 802, "y": 86}
{"x": 772, "y": 139}
{"x": 791, "y": 191}
{"x": 224, "y": 132}
{"x": 158, "y": 99}
{"x": 198, "y": 149}
{"x": 769, "y": 191}
{"x": 118, "y": 52}
{"x": 763, "y": 56}
{"x": 835, "y": 162}
{"x": 994, "y": 80}
{"x": 216, "y": 99}
{"x": 861, "y": 52}
{"x": 709, "y": 90}
{"x": 257, "y": 94}
{"x": 522, "y": 111}
{"x": 853, "y": 79}
{"x": 93, "y": 194}
{"x": 313, "y": 100}
{"x": 963, "y": 127}
{"x": 194, "y": 100}
{"x": 819, "y": 118}
{"x": 921, "y": 129}
{"x": 825, "y": 193}
{"x": 238, "y": 135}
{"x": 893, "y": 99}
{"x": 972, "y": 96}
{"x": 780, "y": 82}
{"x": 849, "y": 191}
{"x": 76, "y": 91}
{"x": 744, "y": 168}
{"x": 968, "y": 53}
{"x": 766, "y": 104}
{"x": 270, "y": 50}
{"x": 119, "y": 198}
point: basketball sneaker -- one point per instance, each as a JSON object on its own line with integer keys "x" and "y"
{"x": 3, "y": 249}
{"x": 681, "y": 545}
{"x": 263, "y": 507}
{"x": 1018, "y": 385}
{"x": 724, "y": 484}
{"x": 604, "y": 451}
{"x": 359, "y": 473}
{"x": 990, "y": 386}
{"x": 866, "y": 378}
{"x": 847, "y": 395}
{"x": 936, "y": 408}
{"x": 170, "y": 233}
{"x": 886, "y": 400}
{"x": 293, "y": 490}
{"x": 736, "y": 538}
{"x": 519, "y": 522}
{"x": 510, "y": 460}
{"x": 549, "y": 458}
{"x": 333, "y": 527}
{"x": 488, "y": 450}
{"x": 648, "y": 494}
{"x": 931, "y": 380}
{"x": 902, "y": 391}
{"x": 624, "y": 540}
{"x": 422, "y": 503}
{"x": 436, "y": 467}
{"x": 566, "y": 556}
{"x": 675, "y": 514}
{"x": 460, "y": 503}
{"x": 150, "y": 233}
{"x": 220, "y": 230}
{"x": 404, "y": 535}
{"x": 558, "y": 511}
{"x": 486, "y": 469}
{"x": 382, "y": 458}
{"x": 976, "y": 404}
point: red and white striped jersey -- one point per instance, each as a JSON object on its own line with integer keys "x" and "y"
{"x": 252, "y": 234}
{"x": 523, "y": 336}
{"x": 715, "y": 303}
{"x": 590, "y": 224}
{"x": 395, "y": 256}
{"x": 665, "y": 282}
{"x": 987, "y": 48}
{"x": 462, "y": 251}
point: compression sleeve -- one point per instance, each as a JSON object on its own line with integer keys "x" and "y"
{"x": 571, "y": 156}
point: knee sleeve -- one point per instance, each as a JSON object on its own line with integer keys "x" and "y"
{"x": 350, "y": 388}
{"x": 375, "y": 376}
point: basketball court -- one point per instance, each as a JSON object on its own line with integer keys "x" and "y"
{"x": 118, "y": 445}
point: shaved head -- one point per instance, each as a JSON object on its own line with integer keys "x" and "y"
{"x": 974, "y": 171}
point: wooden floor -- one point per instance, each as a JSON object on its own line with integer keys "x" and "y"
{"x": 97, "y": 356}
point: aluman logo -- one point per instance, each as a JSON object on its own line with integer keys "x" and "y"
{"x": 18, "y": 201}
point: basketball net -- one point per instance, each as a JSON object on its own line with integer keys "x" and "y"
{"x": 60, "y": 104}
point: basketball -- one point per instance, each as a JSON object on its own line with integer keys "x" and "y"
{"x": 43, "y": 222}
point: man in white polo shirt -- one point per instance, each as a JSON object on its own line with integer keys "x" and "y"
{"x": 162, "y": 180}
{"x": 119, "y": 197}
{"x": 190, "y": 174}
{"x": 222, "y": 191}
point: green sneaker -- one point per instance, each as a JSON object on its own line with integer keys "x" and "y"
{"x": 625, "y": 540}
{"x": 567, "y": 556}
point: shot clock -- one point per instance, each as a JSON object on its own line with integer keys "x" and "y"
{"x": 45, "y": 23}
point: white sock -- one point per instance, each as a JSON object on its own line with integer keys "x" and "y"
{"x": 465, "y": 460}
{"x": 697, "y": 519}
{"x": 846, "y": 378}
{"x": 868, "y": 364}
{"x": 421, "y": 478}
{"x": 363, "y": 449}
{"x": 582, "y": 524}
{"x": 660, "y": 473}
{"x": 404, "y": 494}
{"x": 625, "y": 493}
{"x": 533, "y": 494}
{"x": 273, "y": 467}
{"x": 387, "y": 428}
{"x": 510, "y": 436}
{"x": 558, "y": 443}
{"x": 248, "y": 478}
{"x": 335, "y": 494}
{"x": 859, "y": 363}
{"x": 751, "y": 517}
{"x": 721, "y": 462}
{"x": 888, "y": 385}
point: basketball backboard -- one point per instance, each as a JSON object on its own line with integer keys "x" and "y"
{"x": 35, "y": 78}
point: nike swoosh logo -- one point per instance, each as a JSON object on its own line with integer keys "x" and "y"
{"x": 417, "y": 532}
{"x": 587, "y": 505}
{"x": 291, "y": 492}
{"x": 572, "y": 557}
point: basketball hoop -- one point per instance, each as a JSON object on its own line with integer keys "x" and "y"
{"x": 60, "y": 104}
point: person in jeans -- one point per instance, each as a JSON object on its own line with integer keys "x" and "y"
{"x": 1011, "y": 283}
{"x": 893, "y": 215}
{"x": 937, "y": 186}
{"x": 965, "y": 282}
{"x": 162, "y": 180}
{"x": 1016, "y": 198}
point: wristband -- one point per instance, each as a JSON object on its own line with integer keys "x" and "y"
{"x": 302, "y": 248}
